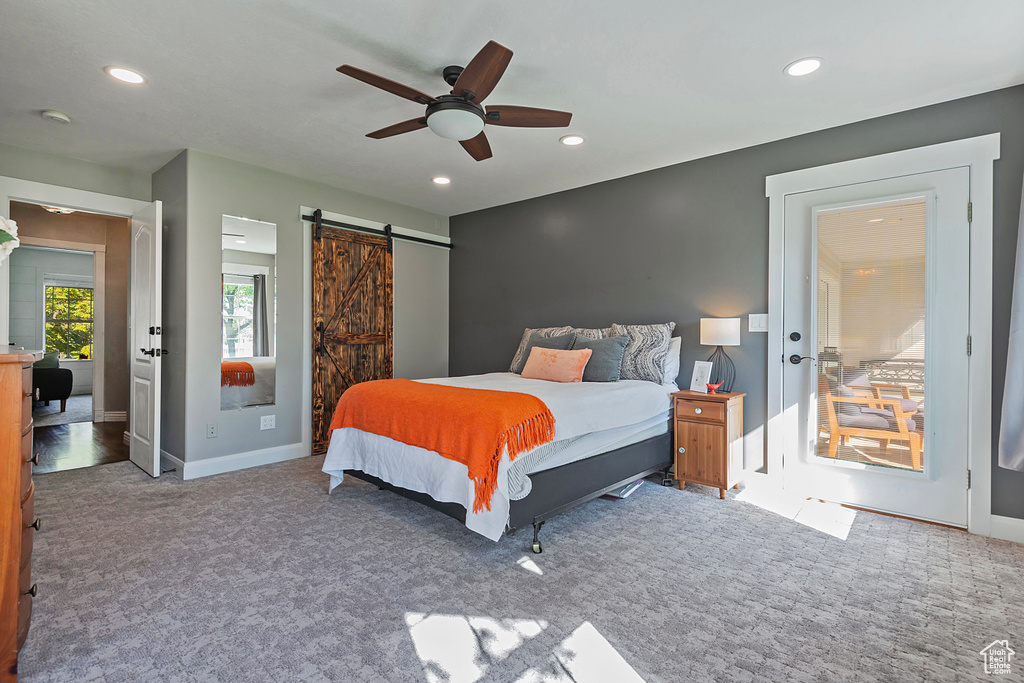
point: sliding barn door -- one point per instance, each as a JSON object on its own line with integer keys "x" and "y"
{"x": 352, "y": 311}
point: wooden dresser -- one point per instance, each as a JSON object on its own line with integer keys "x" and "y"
{"x": 17, "y": 521}
{"x": 709, "y": 438}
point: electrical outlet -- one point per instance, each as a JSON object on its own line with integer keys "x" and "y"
{"x": 267, "y": 421}
{"x": 757, "y": 322}
{"x": 211, "y": 430}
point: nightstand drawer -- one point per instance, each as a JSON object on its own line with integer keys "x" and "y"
{"x": 689, "y": 409}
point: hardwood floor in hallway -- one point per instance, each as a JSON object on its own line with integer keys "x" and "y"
{"x": 77, "y": 445}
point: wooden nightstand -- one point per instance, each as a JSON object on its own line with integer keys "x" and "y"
{"x": 709, "y": 438}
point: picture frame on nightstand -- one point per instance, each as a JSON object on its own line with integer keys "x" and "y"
{"x": 701, "y": 376}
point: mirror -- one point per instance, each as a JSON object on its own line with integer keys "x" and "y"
{"x": 248, "y": 312}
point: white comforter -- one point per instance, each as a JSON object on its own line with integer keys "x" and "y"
{"x": 579, "y": 408}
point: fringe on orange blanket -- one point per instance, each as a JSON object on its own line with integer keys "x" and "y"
{"x": 471, "y": 426}
{"x": 236, "y": 373}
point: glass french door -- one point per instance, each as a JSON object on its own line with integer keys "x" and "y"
{"x": 876, "y": 305}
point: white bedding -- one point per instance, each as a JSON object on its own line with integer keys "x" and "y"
{"x": 579, "y": 409}
{"x": 260, "y": 393}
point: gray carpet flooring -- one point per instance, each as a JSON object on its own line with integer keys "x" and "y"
{"x": 259, "y": 575}
{"x": 78, "y": 409}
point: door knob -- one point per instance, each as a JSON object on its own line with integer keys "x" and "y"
{"x": 796, "y": 358}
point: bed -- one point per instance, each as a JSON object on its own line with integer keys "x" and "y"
{"x": 606, "y": 434}
{"x": 260, "y": 392}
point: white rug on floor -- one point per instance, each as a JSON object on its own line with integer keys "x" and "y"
{"x": 79, "y": 409}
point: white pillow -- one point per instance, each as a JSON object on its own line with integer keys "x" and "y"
{"x": 672, "y": 360}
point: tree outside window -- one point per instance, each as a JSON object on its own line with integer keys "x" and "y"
{"x": 236, "y": 314}
{"x": 69, "y": 321}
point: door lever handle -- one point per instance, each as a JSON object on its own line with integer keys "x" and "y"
{"x": 796, "y": 358}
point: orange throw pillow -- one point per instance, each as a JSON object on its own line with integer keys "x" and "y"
{"x": 555, "y": 365}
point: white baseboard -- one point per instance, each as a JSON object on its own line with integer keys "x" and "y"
{"x": 193, "y": 469}
{"x": 99, "y": 416}
{"x": 1008, "y": 528}
{"x": 113, "y": 416}
{"x": 168, "y": 461}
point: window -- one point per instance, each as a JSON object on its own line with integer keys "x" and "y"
{"x": 69, "y": 312}
{"x": 236, "y": 303}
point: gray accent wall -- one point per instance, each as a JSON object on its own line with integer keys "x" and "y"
{"x": 690, "y": 241}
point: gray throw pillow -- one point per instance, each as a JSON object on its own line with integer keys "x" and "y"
{"x": 644, "y": 357}
{"x": 519, "y": 360}
{"x": 606, "y": 360}
{"x": 591, "y": 333}
{"x": 562, "y": 343}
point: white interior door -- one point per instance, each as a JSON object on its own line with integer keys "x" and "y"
{"x": 145, "y": 336}
{"x": 876, "y": 315}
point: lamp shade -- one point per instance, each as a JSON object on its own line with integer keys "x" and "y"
{"x": 720, "y": 331}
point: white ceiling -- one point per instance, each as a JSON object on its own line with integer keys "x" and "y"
{"x": 650, "y": 83}
{"x": 260, "y": 237}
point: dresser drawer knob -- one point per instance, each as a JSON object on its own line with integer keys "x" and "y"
{"x": 36, "y": 524}
{"x": 682, "y": 450}
{"x": 697, "y": 411}
{"x": 35, "y": 459}
{"x": 33, "y": 590}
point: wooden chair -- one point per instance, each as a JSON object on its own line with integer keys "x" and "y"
{"x": 840, "y": 432}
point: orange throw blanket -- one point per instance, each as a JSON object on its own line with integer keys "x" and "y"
{"x": 236, "y": 373}
{"x": 471, "y": 426}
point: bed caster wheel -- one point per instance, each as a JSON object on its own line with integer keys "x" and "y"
{"x": 537, "y": 550}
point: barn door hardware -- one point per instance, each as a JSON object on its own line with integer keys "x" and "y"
{"x": 320, "y": 349}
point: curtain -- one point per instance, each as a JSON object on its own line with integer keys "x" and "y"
{"x": 260, "y": 332}
{"x": 1011, "y": 436}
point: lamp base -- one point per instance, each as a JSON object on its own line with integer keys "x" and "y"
{"x": 722, "y": 370}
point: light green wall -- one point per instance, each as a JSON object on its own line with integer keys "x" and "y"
{"x": 44, "y": 167}
{"x": 215, "y": 187}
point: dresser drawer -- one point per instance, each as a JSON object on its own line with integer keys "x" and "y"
{"x": 690, "y": 409}
{"x": 26, "y": 446}
{"x": 28, "y": 532}
{"x": 26, "y": 408}
{"x": 24, "y": 618}
{"x": 26, "y": 479}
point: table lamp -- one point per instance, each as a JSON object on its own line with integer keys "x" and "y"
{"x": 721, "y": 332}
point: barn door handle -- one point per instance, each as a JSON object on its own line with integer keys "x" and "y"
{"x": 320, "y": 344}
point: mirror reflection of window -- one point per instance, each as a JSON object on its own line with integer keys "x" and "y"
{"x": 248, "y": 312}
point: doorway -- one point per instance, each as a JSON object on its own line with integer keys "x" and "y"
{"x": 140, "y": 312}
{"x": 876, "y": 318}
{"x": 822, "y": 458}
{"x": 69, "y": 297}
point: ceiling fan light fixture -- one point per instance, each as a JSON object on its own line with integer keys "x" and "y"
{"x": 454, "y": 118}
{"x": 57, "y": 209}
{"x": 804, "y": 66}
{"x": 571, "y": 140}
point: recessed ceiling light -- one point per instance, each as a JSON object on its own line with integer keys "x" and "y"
{"x": 441, "y": 180}
{"x": 126, "y": 75}
{"x": 876, "y": 220}
{"x": 239, "y": 241}
{"x": 55, "y": 116}
{"x": 57, "y": 209}
{"x": 571, "y": 140}
{"x": 802, "y": 67}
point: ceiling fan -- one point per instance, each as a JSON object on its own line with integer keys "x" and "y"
{"x": 460, "y": 116}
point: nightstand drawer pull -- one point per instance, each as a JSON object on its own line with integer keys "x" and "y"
{"x": 682, "y": 450}
{"x": 697, "y": 411}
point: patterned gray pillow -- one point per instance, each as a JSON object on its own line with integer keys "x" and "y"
{"x": 591, "y": 333}
{"x": 519, "y": 359}
{"x": 646, "y": 351}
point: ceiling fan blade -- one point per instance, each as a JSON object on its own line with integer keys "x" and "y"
{"x": 483, "y": 71}
{"x": 477, "y": 147}
{"x": 399, "y": 128}
{"x": 526, "y": 117}
{"x": 385, "y": 84}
